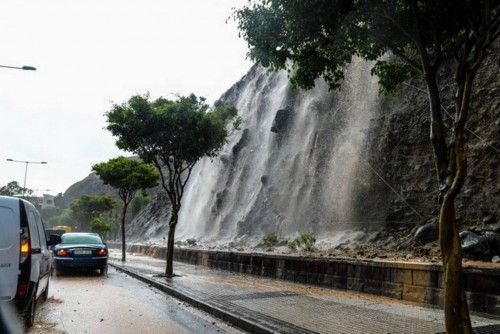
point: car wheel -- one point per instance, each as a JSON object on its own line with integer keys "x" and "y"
{"x": 29, "y": 315}
{"x": 103, "y": 271}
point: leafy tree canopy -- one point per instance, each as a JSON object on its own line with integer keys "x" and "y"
{"x": 85, "y": 208}
{"x": 101, "y": 225}
{"x": 14, "y": 189}
{"x": 184, "y": 129}
{"x": 127, "y": 176}
{"x": 318, "y": 38}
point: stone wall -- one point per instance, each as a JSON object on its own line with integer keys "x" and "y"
{"x": 414, "y": 282}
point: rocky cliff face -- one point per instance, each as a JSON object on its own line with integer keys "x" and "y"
{"x": 91, "y": 185}
{"x": 349, "y": 166}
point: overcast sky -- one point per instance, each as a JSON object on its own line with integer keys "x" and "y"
{"x": 89, "y": 53}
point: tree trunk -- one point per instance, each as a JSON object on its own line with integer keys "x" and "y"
{"x": 456, "y": 311}
{"x": 437, "y": 132}
{"x": 124, "y": 247}
{"x": 451, "y": 169}
{"x": 169, "y": 270}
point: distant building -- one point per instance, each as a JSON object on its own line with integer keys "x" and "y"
{"x": 46, "y": 201}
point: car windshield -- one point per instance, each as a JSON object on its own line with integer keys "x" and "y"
{"x": 81, "y": 239}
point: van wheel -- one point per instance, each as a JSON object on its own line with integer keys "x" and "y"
{"x": 45, "y": 294}
{"x": 29, "y": 315}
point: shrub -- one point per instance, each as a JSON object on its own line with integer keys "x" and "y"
{"x": 191, "y": 242}
{"x": 303, "y": 242}
{"x": 269, "y": 240}
{"x": 101, "y": 226}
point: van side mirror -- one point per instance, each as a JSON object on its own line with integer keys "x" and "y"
{"x": 54, "y": 239}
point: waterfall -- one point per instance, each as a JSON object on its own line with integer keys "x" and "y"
{"x": 293, "y": 167}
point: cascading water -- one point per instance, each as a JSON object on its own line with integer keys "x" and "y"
{"x": 294, "y": 166}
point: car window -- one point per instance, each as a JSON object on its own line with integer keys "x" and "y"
{"x": 35, "y": 236}
{"x": 41, "y": 232}
{"x": 80, "y": 239}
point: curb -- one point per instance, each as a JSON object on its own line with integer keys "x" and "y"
{"x": 222, "y": 314}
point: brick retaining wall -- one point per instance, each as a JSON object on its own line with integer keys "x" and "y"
{"x": 415, "y": 282}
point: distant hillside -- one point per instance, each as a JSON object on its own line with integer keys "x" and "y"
{"x": 91, "y": 185}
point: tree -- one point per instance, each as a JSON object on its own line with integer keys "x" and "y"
{"x": 171, "y": 134}
{"x": 14, "y": 189}
{"x": 85, "y": 208}
{"x": 64, "y": 219}
{"x": 101, "y": 226}
{"x": 128, "y": 176}
{"x": 49, "y": 212}
{"x": 318, "y": 38}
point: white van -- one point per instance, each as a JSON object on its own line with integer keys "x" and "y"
{"x": 25, "y": 260}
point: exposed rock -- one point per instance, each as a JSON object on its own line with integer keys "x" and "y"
{"x": 281, "y": 120}
{"x": 475, "y": 246}
{"x": 426, "y": 233}
{"x": 494, "y": 240}
{"x": 493, "y": 228}
{"x": 241, "y": 143}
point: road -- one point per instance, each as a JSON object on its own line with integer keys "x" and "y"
{"x": 87, "y": 303}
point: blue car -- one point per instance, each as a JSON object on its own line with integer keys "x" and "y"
{"x": 81, "y": 250}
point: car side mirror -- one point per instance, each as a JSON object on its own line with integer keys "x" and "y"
{"x": 54, "y": 239}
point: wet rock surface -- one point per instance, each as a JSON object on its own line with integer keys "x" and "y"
{"x": 426, "y": 233}
{"x": 483, "y": 247}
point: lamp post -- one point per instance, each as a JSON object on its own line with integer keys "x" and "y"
{"x": 25, "y": 68}
{"x": 26, "y": 168}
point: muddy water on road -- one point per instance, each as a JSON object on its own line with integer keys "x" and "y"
{"x": 87, "y": 303}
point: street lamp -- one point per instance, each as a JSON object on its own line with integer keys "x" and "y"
{"x": 26, "y": 168}
{"x": 25, "y": 68}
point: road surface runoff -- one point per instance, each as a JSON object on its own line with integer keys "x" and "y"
{"x": 87, "y": 303}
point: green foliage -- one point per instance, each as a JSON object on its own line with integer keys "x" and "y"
{"x": 85, "y": 208}
{"x": 191, "y": 242}
{"x": 14, "y": 189}
{"x": 49, "y": 212}
{"x": 319, "y": 38}
{"x": 184, "y": 130}
{"x": 127, "y": 176}
{"x": 138, "y": 204}
{"x": 391, "y": 76}
{"x": 64, "y": 219}
{"x": 269, "y": 240}
{"x": 303, "y": 242}
{"x": 101, "y": 225}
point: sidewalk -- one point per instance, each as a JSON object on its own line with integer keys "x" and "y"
{"x": 294, "y": 308}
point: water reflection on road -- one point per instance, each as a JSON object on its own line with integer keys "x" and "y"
{"x": 87, "y": 303}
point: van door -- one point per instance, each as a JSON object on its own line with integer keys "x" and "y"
{"x": 9, "y": 249}
{"x": 45, "y": 256}
{"x": 36, "y": 251}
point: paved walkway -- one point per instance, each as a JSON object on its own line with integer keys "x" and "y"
{"x": 295, "y": 308}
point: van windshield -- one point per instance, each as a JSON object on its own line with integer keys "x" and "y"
{"x": 80, "y": 239}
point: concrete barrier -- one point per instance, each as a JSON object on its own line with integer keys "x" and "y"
{"x": 410, "y": 281}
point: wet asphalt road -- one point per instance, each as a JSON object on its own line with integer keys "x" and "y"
{"x": 87, "y": 303}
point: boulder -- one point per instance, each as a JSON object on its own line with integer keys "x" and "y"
{"x": 426, "y": 234}
{"x": 475, "y": 246}
{"x": 494, "y": 240}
